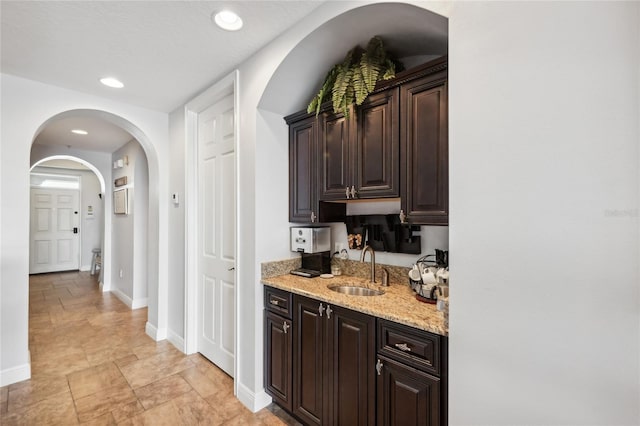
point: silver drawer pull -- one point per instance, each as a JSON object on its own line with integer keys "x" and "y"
{"x": 274, "y": 302}
{"x": 403, "y": 347}
{"x": 329, "y": 310}
{"x": 285, "y": 327}
{"x": 379, "y": 367}
{"x": 321, "y": 309}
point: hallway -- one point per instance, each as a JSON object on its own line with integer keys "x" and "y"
{"x": 92, "y": 363}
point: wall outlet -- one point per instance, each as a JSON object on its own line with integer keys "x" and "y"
{"x": 338, "y": 247}
{"x": 121, "y": 273}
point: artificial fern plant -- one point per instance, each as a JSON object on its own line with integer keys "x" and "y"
{"x": 355, "y": 77}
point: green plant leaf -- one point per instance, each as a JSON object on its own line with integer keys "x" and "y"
{"x": 355, "y": 77}
{"x": 372, "y": 61}
{"x": 359, "y": 85}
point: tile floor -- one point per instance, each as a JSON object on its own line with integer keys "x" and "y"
{"x": 92, "y": 363}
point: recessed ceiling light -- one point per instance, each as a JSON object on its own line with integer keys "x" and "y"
{"x": 79, "y": 132}
{"x": 112, "y": 82}
{"x": 227, "y": 20}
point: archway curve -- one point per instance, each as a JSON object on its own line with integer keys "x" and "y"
{"x": 85, "y": 163}
{"x": 411, "y": 31}
{"x": 157, "y": 287}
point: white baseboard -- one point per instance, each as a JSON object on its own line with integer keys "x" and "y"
{"x": 176, "y": 340}
{"x": 131, "y": 303}
{"x": 139, "y": 303}
{"x": 253, "y": 401}
{"x": 155, "y": 333}
{"x": 15, "y": 374}
{"x": 85, "y": 268}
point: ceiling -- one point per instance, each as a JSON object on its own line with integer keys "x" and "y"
{"x": 165, "y": 52}
{"x": 102, "y": 136}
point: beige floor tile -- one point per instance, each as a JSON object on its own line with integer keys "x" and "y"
{"x": 162, "y": 415}
{"x": 150, "y": 348}
{"x": 94, "y": 379}
{"x": 56, "y": 410}
{"x": 104, "y": 420}
{"x": 154, "y": 368}
{"x": 194, "y": 410}
{"x": 201, "y": 383}
{"x": 91, "y": 359}
{"x": 126, "y": 411}
{"x": 104, "y": 401}
{"x": 226, "y": 405}
{"x": 38, "y": 388}
{"x": 162, "y": 391}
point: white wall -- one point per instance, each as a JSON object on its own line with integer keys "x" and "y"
{"x": 25, "y": 106}
{"x": 544, "y": 180}
{"x": 130, "y": 233}
{"x": 176, "y": 291}
{"x": 91, "y": 226}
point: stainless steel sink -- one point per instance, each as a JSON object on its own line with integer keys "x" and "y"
{"x": 355, "y": 291}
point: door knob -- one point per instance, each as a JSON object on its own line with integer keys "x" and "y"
{"x": 233, "y": 268}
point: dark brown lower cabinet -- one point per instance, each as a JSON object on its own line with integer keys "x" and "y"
{"x": 334, "y": 372}
{"x": 329, "y": 365}
{"x": 351, "y": 371}
{"x": 279, "y": 357}
{"x": 309, "y": 360}
{"x": 407, "y": 396}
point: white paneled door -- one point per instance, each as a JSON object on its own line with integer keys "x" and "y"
{"x": 54, "y": 238}
{"x": 217, "y": 236}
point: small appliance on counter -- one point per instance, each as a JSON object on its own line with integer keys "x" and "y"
{"x": 314, "y": 245}
{"x": 429, "y": 275}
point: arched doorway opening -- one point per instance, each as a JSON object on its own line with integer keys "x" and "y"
{"x": 84, "y": 228}
{"x": 131, "y": 241}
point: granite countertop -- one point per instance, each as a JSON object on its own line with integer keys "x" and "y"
{"x": 398, "y": 304}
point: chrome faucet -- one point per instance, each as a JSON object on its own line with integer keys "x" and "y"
{"x": 373, "y": 261}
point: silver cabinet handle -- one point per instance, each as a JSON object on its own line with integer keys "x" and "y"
{"x": 346, "y": 191}
{"x": 403, "y": 347}
{"x": 321, "y": 309}
{"x": 354, "y": 193}
{"x": 274, "y": 302}
{"x": 379, "y": 367}
{"x": 329, "y": 311}
{"x": 285, "y": 327}
{"x": 313, "y": 217}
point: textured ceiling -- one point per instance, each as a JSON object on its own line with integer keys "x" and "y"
{"x": 103, "y": 136}
{"x": 165, "y": 52}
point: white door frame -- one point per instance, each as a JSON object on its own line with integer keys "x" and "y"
{"x": 225, "y": 87}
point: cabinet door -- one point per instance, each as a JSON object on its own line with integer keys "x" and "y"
{"x": 278, "y": 360}
{"x": 333, "y": 144}
{"x": 376, "y": 148}
{"x": 351, "y": 371}
{"x": 303, "y": 202}
{"x": 425, "y": 151}
{"x": 308, "y": 358}
{"x": 407, "y": 396}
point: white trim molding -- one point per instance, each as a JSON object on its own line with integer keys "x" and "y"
{"x": 131, "y": 303}
{"x": 15, "y": 374}
{"x": 228, "y": 85}
{"x": 155, "y": 333}
{"x": 176, "y": 340}
{"x": 253, "y": 401}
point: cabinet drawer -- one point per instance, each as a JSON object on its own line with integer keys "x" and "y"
{"x": 278, "y": 301}
{"x": 417, "y": 348}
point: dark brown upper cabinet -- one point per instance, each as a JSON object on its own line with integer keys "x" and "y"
{"x": 393, "y": 145}
{"x": 425, "y": 155}
{"x": 303, "y": 201}
{"x": 360, "y": 155}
